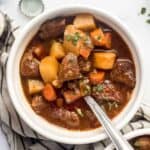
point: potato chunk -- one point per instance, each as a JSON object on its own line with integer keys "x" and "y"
{"x": 104, "y": 60}
{"x": 76, "y": 40}
{"x": 72, "y": 39}
{"x": 49, "y": 68}
{"x": 57, "y": 50}
{"x": 35, "y": 86}
{"x": 84, "y": 22}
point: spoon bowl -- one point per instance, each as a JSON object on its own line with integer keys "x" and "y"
{"x": 116, "y": 137}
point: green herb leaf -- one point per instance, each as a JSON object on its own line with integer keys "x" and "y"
{"x": 74, "y": 42}
{"x": 94, "y": 89}
{"x": 68, "y": 37}
{"x": 75, "y": 38}
{"x": 88, "y": 89}
{"x": 148, "y": 21}
{"x": 77, "y": 34}
{"x": 99, "y": 88}
{"x": 143, "y": 10}
{"x": 99, "y": 37}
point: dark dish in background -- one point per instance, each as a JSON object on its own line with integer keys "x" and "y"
{"x": 69, "y": 58}
{"x": 141, "y": 143}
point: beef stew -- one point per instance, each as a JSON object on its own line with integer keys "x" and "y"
{"x": 69, "y": 58}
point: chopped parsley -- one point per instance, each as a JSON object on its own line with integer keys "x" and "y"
{"x": 143, "y": 10}
{"x": 74, "y": 38}
{"x": 74, "y": 42}
{"x": 99, "y": 37}
{"x": 98, "y": 88}
{"x": 88, "y": 89}
{"x": 77, "y": 34}
{"x": 148, "y": 21}
{"x": 68, "y": 37}
{"x": 84, "y": 86}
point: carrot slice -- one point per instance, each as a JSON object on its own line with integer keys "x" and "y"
{"x": 108, "y": 38}
{"x": 101, "y": 39}
{"x": 98, "y": 37}
{"x": 85, "y": 52}
{"x": 49, "y": 92}
{"x": 96, "y": 78}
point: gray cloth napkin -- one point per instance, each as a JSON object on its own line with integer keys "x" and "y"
{"x": 21, "y": 137}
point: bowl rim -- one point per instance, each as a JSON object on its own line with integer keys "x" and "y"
{"x": 29, "y": 120}
{"x": 131, "y": 135}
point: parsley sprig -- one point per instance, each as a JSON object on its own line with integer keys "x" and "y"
{"x": 144, "y": 12}
{"x": 74, "y": 38}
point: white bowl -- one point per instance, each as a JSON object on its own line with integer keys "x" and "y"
{"x": 132, "y": 135}
{"x": 23, "y": 108}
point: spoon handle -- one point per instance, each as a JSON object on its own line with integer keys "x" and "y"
{"x": 116, "y": 137}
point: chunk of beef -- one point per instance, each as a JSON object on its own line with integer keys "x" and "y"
{"x": 68, "y": 117}
{"x": 29, "y": 66}
{"x": 72, "y": 92}
{"x": 72, "y": 85}
{"x": 107, "y": 91}
{"x": 69, "y": 68}
{"x": 123, "y": 72}
{"x": 85, "y": 65}
{"x": 52, "y": 28}
{"x": 72, "y": 96}
{"x": 39, "y": 51}
{"x": 39, "y": 104}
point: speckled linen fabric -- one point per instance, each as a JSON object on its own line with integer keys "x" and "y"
{"x": 21, "y": 137}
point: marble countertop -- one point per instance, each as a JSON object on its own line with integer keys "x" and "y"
{"x": 128, "y": 11}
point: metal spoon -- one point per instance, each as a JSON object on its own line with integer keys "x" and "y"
{"x": 116, "y": 137}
